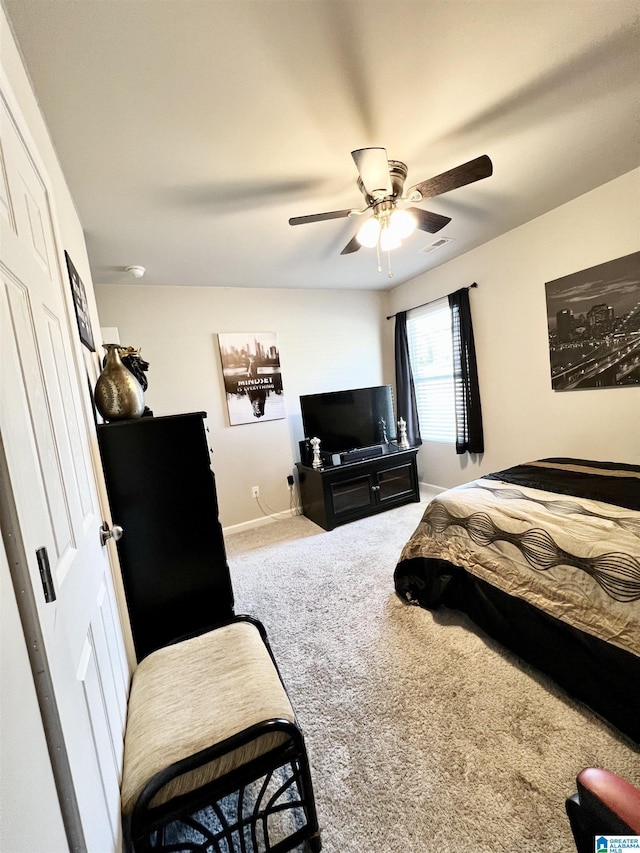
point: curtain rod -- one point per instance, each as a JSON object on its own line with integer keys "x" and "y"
{"x": 391, "y": 316}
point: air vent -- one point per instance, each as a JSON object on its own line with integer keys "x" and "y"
{"x": 437, "y": 244}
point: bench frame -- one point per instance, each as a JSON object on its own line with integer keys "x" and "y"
{"x": 144, "y": 828}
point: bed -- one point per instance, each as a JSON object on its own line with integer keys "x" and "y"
{"x": 545, "y": 558}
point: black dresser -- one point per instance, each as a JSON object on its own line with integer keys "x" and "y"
{"x": 162, "y": 493}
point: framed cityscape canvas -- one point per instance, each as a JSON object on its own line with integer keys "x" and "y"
{"x": 252, "y": 377}
{"x": 594, "y": 326}
{"x": 80, "y": 305}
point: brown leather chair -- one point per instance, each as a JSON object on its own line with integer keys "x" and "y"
{"x": 604, "y": 804}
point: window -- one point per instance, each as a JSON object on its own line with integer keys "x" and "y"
{"x": 431, "y": 356}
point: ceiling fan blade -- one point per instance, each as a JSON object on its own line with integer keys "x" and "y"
{"x": 373, "y": 166}
{"x": 319, "y": 217}
{"x": 428, "y": 221}
{"x": 467, "y": 173}
{"x": 352, "y": 246}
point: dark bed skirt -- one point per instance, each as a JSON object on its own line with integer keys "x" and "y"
{"x": 604, "y": 677}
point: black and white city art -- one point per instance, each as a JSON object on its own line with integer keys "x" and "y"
{"x": 252, "y": 377}
{"x": 594, "y": 326}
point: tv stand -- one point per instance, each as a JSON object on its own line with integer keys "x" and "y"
{"x": 338, "y": 494}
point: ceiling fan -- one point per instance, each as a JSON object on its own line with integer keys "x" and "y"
{"x": 381, "y": 181}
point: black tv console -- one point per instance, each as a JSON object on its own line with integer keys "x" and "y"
{"x": 338, "y": 494}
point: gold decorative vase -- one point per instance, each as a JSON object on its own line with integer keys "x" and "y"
{"x": 118, "y": 394}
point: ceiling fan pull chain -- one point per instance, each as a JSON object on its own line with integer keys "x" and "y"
{"x": 390, "y": 274}
{"x": 378, "y": 254}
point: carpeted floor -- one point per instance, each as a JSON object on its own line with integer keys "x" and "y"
{"x": 423, "y": 734}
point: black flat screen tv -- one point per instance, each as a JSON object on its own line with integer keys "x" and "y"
{"x": 348, "y": 420}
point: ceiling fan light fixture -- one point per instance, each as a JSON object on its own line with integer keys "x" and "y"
{"x": 381, "y": 182}
{"x": 402, "y": 224}
{"x": 369, "y": 233}
{"x": 389, "y": 239}
{"x": 373, "y": 166}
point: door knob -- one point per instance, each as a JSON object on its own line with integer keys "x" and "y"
{"x": 107, "y": 532}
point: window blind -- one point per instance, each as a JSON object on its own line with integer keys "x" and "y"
{"x": 431, "y": 355}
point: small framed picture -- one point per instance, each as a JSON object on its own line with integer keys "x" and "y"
{"x": 80, "y": 304}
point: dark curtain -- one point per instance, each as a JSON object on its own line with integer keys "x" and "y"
{"x": 405, "y": 391}
{"x": 469, "y": 435}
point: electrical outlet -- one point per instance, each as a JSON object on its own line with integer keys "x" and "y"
{"x": 255, "y": 491}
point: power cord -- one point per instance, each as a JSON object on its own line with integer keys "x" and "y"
{"x": 294, "y": 503}
{"x": 271, "y": 513}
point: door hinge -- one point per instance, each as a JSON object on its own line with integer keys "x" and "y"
{"x": 45, "y": 575}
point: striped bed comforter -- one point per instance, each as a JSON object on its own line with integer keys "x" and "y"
{"x": 563, "y": 534}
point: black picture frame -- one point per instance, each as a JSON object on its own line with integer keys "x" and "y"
{"x": 593, "y": 321}
{"x": 80, "y": 304}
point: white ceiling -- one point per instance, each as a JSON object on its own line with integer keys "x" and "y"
{"x": 190, "y": 131}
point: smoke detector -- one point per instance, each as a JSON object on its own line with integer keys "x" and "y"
{"x": 135, "y": 271}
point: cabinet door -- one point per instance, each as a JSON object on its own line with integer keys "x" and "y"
{"x": 349, "y": 496}
{"x": 395, "y": 483}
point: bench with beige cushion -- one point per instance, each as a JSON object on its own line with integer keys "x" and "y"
{"x": 213, "y": 750}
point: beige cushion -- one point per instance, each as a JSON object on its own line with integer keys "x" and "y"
{"x": 192, "y": 695}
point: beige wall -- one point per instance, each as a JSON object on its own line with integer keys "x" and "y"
{"x": 328, "y": 341}
{"x": 523, "y": 418}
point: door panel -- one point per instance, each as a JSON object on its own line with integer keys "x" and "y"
{"x": 46, "y": 427}
{"x": 24, "y": 344}
{"x": 94, "y": 694}
{"x": 350, "y": 495}
{"x": 395, "y": 483}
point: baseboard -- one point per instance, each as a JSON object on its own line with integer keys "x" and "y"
{"x": 257, "y": 522}
{"x": 429, "y": 491}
